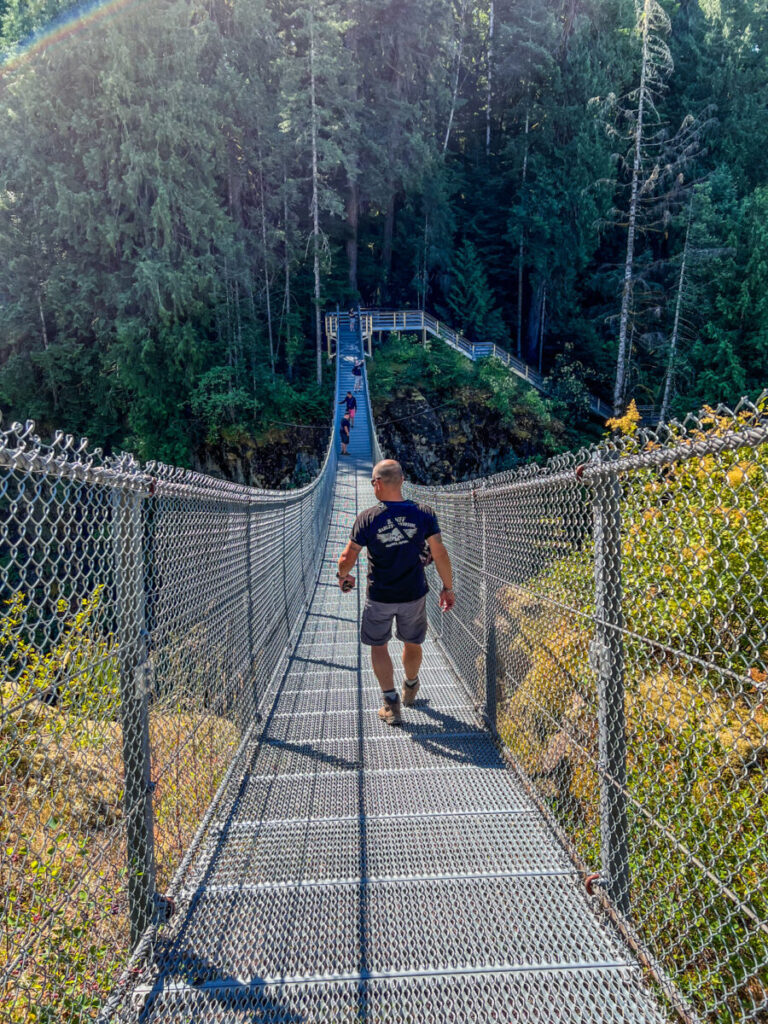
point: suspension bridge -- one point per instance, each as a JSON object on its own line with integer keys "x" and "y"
{"x": 361, "y": 872}
{"x": 513, "y": 852}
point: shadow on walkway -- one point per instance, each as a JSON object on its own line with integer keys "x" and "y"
{"x": 230, "y": 993}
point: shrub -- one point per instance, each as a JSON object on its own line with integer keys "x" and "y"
{"x": 695, "y": 600}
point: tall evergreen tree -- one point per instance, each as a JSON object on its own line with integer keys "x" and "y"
{"x": 175, "y": 209}
{"x": 655, "y": 66}
{"x": 318, "y": 107}
{"x": 470, "y": 298}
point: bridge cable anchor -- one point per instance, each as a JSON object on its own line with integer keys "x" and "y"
{"x": 165, "y": 908}
{"x": 591, "y": 881}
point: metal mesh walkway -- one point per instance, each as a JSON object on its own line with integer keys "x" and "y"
{"x": 358, "y": 872}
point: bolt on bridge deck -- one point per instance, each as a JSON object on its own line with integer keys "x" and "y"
{"x": 360, "y": 872}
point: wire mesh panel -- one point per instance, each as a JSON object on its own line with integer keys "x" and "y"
{"x": 611, "y": 621}
{"x": 144, "y": 612}
{"x": 612, "y": 616}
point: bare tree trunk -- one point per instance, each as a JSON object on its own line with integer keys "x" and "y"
{"x": 252, "y": 309}
{"x": 389, "y": 231}
{"x": 424, "y": 269}
{"x": 626, "y": 293}
{"x": 353, "y": 217}
{"x": 532, "y": 332}
{"x": 287, "y": 267}
{"x": 51, "y": 377}
{"x": 315, "y": 198}
{"x": 455, "y": 90}
{"x": 568, "y": 20}
{"x": 521, "y": 253}
{"x": 490, "y": 75}
{"x": 676, "y": 328}
{"x": 230, "y": 354}
{"x": 266, "y": 270}
{"x": 543, "y": 326}
{"x": 238, "y": 335}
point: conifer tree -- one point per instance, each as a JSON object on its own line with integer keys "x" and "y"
{"x": 184, "y": 185}
{"x": 470, "y": 298}
{"x": 652, "y": 25}
{"x": 317, "y": 110}
{"x": 22, "y": 19}
{"x": 526, "y": 44}
{"x": 119, "y": 172}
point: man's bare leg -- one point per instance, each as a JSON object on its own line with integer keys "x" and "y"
{"x": 382, "y": 667}
{"x": 389, "y": 712}
{"x": 411, "y": 660}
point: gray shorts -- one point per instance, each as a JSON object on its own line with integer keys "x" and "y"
{"x": 411, "y": 617}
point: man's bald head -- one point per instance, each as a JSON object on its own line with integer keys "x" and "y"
{"x": 390, "y": 476}
{"x": 390, "y": 472}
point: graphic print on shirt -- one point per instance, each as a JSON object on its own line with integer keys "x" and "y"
{"x": 389, "y": 535}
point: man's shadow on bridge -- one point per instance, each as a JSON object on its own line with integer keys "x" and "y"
{"x": 452, "y": 738}
{"x": 211, "y": 991}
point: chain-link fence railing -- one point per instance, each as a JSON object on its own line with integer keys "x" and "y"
{"x": 144, "y": 613}
{"x": 612, "y": 620}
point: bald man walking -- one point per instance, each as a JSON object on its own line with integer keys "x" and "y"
{"x": 394, "y": 532}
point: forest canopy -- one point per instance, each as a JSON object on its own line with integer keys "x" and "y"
{"x": 184, "y": 186}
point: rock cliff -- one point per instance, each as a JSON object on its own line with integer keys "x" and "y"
{"x": 280, "y": 460}
{"x": 443, "y": 442}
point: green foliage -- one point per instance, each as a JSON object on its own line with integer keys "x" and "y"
{"x": 79, "y": 671}
{"x": 125, "y": 210}
{"x": 677, "y": 568}
{"x": 403, "y": 362}
{"x": 219, "y": 403}
{"x": 156, "y": 199}
{"x": 229, "y": 411}
{"x": 694, "y": 552}
{"x": 58, "y": 708}
{"x": 524, "y": 423}
{"x": 470, "y": 298}
{"x": 65, "y": 928}
{"x": 567, "y": 385}
{"x": 21, "y": 19}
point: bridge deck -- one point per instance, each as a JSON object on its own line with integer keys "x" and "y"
{"x": 359, "y": 872}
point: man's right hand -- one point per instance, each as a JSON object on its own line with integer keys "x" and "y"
{"x": 346, "y": 583}
{"x": 447, "y": 599}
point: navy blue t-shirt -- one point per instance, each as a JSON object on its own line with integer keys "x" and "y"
{"x": 395, "y": 572}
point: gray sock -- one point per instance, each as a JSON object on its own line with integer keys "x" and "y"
{"x": 391, "y": 696}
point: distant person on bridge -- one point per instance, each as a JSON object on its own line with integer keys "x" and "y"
{"x": 357, "y": 373}
{"x": 344, "y": 435}
{"x": 351, "y": 403}
{"x": 395, "y": 531}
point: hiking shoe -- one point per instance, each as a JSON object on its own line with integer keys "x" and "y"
{"x": 389, "y": 712}
{"x": 409, "y": 691}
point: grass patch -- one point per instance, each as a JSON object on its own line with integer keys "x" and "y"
{"x": 63, "y": 875}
